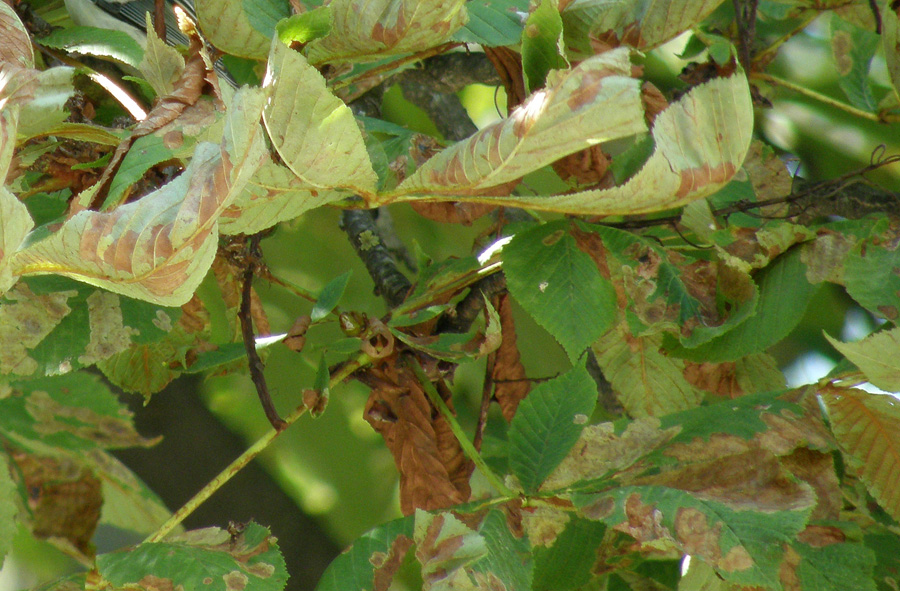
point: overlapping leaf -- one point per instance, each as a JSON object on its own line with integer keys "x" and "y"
{"x": 591, "y": 103}
{"x": 877, "y": 356}
{"x": 595, "y": 25}
{"x": 228, "y": 26}
{"x": 312, "y": 130}
{"x": 158, "y": 248}
{"x": 493, "y": 23}
{"x": 867, "y": 427}
{"x": 366, "y": 29}
{"x": 210, "y": 558}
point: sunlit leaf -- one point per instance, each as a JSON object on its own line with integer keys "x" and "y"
{"x": 445, "y": 547}
{"x": 211, "y": 558}
{"x": 95, "y": 41}
{"x": 161, "y": 64}
{"x": 867, "y": 427}
{"x": 596, "y": 101}
{"x": 47, "y": 109}
{"x": 15, "y": 44}
{"x": 877, "y": 356}
{"x": 158, "y": 248}
{"x": 594, "y": 25}
{"x": 228, "y": 26}
{"x": 547, "y": 424}
{"x": 312, "y": 130}
{"x": 306, "y": 26}
{"x": 365, "y": 30}
{"x": 15, "y": 225}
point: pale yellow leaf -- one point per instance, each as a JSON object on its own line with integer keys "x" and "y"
{"x": 313, "y": 131}
{"x": 46, "y": 108}
{"x": 877, "y": 356}
{"x": 15, "y": 45}
{"x": 162, "y": 64}
{"x": 867, "y": 427}
{"x": 647, "y": 382}
{"x": 226, "y": 25}
{"x": 594, "y": 102}
{"x": 26, "y": 319}
{"x": 159, "y": 248}
{"x": 273, "y": 195}
{"x": 15, "y": 223}
{"x": 369, "y": 29}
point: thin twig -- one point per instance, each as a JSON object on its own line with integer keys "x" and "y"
{"x": 745, "y": 17}
{"x": 256, "y": 365}
{"x": 364, "y": 235}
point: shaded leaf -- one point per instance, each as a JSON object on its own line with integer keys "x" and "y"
{"x": 853, "y": 49}
{"x": 158, "y": 248}
{"x": 567, "y": 563}
{"x": 559, "y": 286}
{"x": 547, "y": 424}
{"x": 312, "y": 130}
{"x": 887, "y": 554}
{"x": 366, "y": 30}
{"x": 561, "y": 119}
{"x": 877, "y": 356}
{"x": 647, "y": 381}
{"x": 867, "y": 427}
{"x": 445, "y": 547}
{"x": 8, "y": 508}
{"x": 542, "y": 49}
{"x": 330, "y": 296}
{"x": 836, "y": 567}
{"x": 215, "y": 559}
{"x": 493, "y": 23}
{"x": 872, "y": 271}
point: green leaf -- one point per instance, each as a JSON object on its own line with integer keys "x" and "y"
{"x": 98, "y": 42}
{"x": 547, "y": 424}
{"x": 567, "y": 563}
{"x": 232, "y": 26}
{"x": 458, "y": 347}
{"x": 377, "y": 553}
{"x": 745, "y": 547}
{"x": 8, "y": 508}
{"x": 145, "y": 153}
{"x": 853, "y": 49}
{"x": 363, "y": 30}
{"x": 784, "y": 294}
{"x": 306, "y": 26}
{"x": 867, "y": 427}
{"x": 309, "y": 126}
{"x": 872, "y": 272}
{"x": 886, "y": 547}
{"x": 330, "y": 296}
{"x": 210, "y": 558}
{"x": 162, "y": 64}
{"x": 836, "y": 567}
{"x": 508, "y": 559}
{"x": 542, "y": 48}
{"x": 890, "y": 40}
{"x": 559, "y": 286}
{"x": 877, "y": 356}
{"x": 264, "y": 15}
{"x": 445, "y": 547}
{"x": 646, "y": 381}
{"x": 493, "y": 22}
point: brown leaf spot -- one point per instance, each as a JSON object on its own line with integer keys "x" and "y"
{"x": 654, "y": 102}
{"x": 643, "y": 522}
{"x": 787, "y": 572}
{"x": 817, "y": 469}
{"x": 737, "y": 559}
{"x": 841, "y": 46}
{"x": 387, "y": 565}
{"x": 235, "y": 581}
{"x": 588, "y": 89}
{"x": 695, "y": 179}
{"x": 452, "y": 212}
{"x": 154, "y": 583}
{"x": 544, "y": 524}
{"x": 696, "y": 536}
{"x": 819, "y": 536}
{"x": 718, "y": 378}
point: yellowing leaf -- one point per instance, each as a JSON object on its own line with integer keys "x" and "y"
{"x": 15, "y": 223}
{"x": 162, "y": 64}
{"x": 159, "y": 248}
{"x": 274, "y": 194}
{"x": 867, "y": 427}
{"x": 648, "y": 382}
{"x": 228, "y": 28}
{"x": 594, "y": 102}
{"x": 877, "y": 356}
{"x": 312, "y": 130}
{"x": 15, "y": 45}
{"x": 364, "y": 29}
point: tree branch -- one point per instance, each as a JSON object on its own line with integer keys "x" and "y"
{"x": 365, "y": 236}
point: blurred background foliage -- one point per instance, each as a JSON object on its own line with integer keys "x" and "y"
{"x": 335, "y": 468}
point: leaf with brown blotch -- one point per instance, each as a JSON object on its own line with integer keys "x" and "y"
{"x": 159, "y": 248}
{"x": 867, "y": 427}
{"x": 594, "y": 102}
{"x": 593, "y": 26}
{"x": 817, "y": 470}
{"x": 15, "y": 44}
{"x": 364, "y": 30}
{"x": 510, "y": 382}
{"x": 230, "y": 29}
{"x": 431, "y": 466}
{"x": 451, "y": 212}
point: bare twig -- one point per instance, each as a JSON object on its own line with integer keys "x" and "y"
{"x": 745, "y": 18}
{"x": 253, "y": 360}
{"x": 364, "y": 235}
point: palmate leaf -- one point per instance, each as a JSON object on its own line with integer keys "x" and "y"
{"x": 15, "y": 223}
{"x": 210, "y": 558}
{"x": 872, "y": 271}
{"x": 229, "y": 27}
{"x": 493, "y": 22}
{"x": 867, "y": 427}
{"x": 364, "y": 30}
{"x": 700, "y": 142}
{"x": 312, "y": 130}
{"x": 158, "y": 248}
{"x": 542, "y": 48}
{"x": 594, "y": 102}
{"x": 374, "y": 556}
{"x": 643, "y": 24}
{"x": 547, "y": 424}
{"x": 877, "y": 356}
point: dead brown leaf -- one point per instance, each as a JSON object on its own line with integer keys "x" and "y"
{"x": 510, "y": 383}
{"x": 508, "y": 64}
{"x": 817, "y": 470}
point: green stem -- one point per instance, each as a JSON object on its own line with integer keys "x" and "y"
{"x": 245, "y": 458}
{"x": 464, "y": 442}
{"x": 816, "y": 96}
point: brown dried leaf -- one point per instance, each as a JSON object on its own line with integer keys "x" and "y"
{"x": 431, "y": 466}
{"x": 817, "y": 470}
{"x": 508, "y": 64}
{"x": 510, "y": 383}
{"x": 452, "y": 212}
{"x": 387, "y": 564}
{"x": 296, "y": 336}
{"x": 587, "y": 167}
